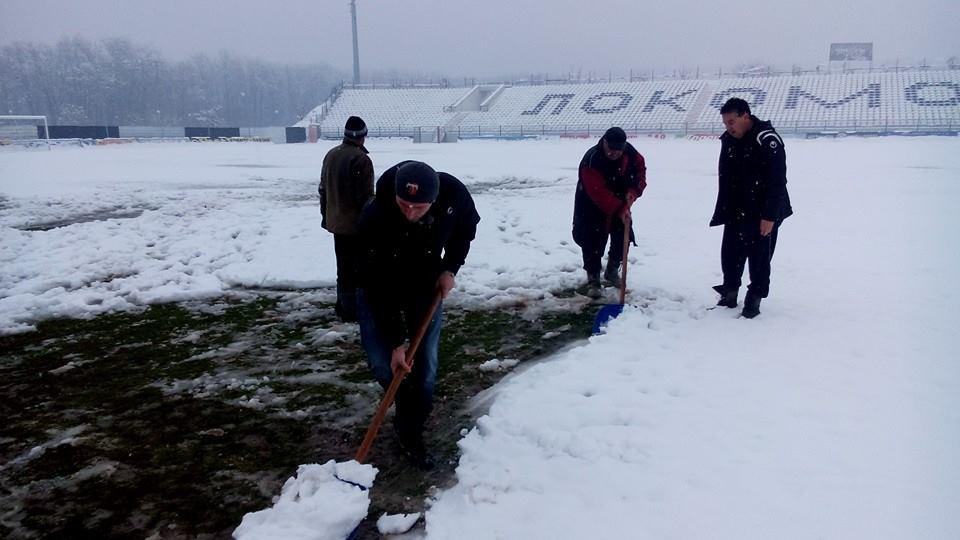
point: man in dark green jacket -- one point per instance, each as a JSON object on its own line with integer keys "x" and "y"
{"x": 752, "y": 202}
{"x": 346, "y": 184}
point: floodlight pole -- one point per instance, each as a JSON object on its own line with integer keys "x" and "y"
{"x": 356, "y": 48}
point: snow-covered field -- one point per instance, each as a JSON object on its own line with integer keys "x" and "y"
{"x": 835, "y": 414}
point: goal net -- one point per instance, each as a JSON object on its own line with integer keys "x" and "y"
{"x": 25, "y": 130}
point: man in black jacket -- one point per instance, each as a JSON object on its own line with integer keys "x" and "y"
{"x": 612, "y": 176}
{"x": 346, "y": 184}
{"x": 752, "y": 202}
{"x": 416, "y": 234}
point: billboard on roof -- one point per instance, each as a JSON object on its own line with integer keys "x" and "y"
{"x": 856, "y": 52}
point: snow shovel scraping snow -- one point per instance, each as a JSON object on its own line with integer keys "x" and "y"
{"x": 612, "y": 311}
{"x": 331, "y": 500}
{"x": 391, "y": 392}
{"x": 385, "y": 403}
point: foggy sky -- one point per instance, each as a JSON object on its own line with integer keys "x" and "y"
{"x": 496, "y": 37}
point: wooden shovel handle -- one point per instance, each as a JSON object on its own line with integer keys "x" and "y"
{"x": 623, "y": 268}
{"x": 398, "y": 376}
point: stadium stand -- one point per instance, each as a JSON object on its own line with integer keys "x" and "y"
{"x": 586, "y": 107}
{"x": 898, "y": 101}
{"x": 389, "y": 110}
{"x": 888, "y": 101}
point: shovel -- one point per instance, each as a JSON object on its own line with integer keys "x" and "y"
{"x": 266, "y": 523}
{"x": 611, "y": 311}
{"x": 398, "y": 376}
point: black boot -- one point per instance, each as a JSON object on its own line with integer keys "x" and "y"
{"x": 612, "y": 274}
{"x": 593, "y": 285}
{"x": 751, "y": 306}
{"x": 728, "y": 297}
{"x": 416, "y": 451}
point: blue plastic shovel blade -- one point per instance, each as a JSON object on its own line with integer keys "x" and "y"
{"x": 606, "y": 314}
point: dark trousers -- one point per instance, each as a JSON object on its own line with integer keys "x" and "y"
{"x": 349, "y": 253}
{"x": 593, "y": 241}
{"x": 415, "y": 396}
{"x": 743, "y": 244}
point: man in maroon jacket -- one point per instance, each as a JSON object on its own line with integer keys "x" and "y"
{"x": 612, "y": 176}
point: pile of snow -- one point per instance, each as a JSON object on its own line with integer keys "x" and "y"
{"x": 397, "y": 523}
{"x": 498, "y": 365}
{"x": 321, "y": 502}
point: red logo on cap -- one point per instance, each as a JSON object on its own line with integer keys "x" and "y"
{"x": 412, "y": 189}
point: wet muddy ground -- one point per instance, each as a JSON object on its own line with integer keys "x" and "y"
{"x": 176, "y": 421}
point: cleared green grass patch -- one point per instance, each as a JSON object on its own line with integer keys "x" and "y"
{"x": 181, "y": 418}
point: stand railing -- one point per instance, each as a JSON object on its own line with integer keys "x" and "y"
{"x": 527, "y": 131}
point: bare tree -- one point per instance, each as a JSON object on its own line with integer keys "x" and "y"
{"x": 116, "y": 82}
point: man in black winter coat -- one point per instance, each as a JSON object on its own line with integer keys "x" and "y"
{"x": 416, "y": 234}
{"x": 752, "y": 202}
{"x": 612, "y": 176}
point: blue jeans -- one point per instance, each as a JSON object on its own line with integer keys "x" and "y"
{"x": 415, "y": 395}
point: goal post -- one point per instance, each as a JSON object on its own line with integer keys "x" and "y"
{"x": 17, "y": 129}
